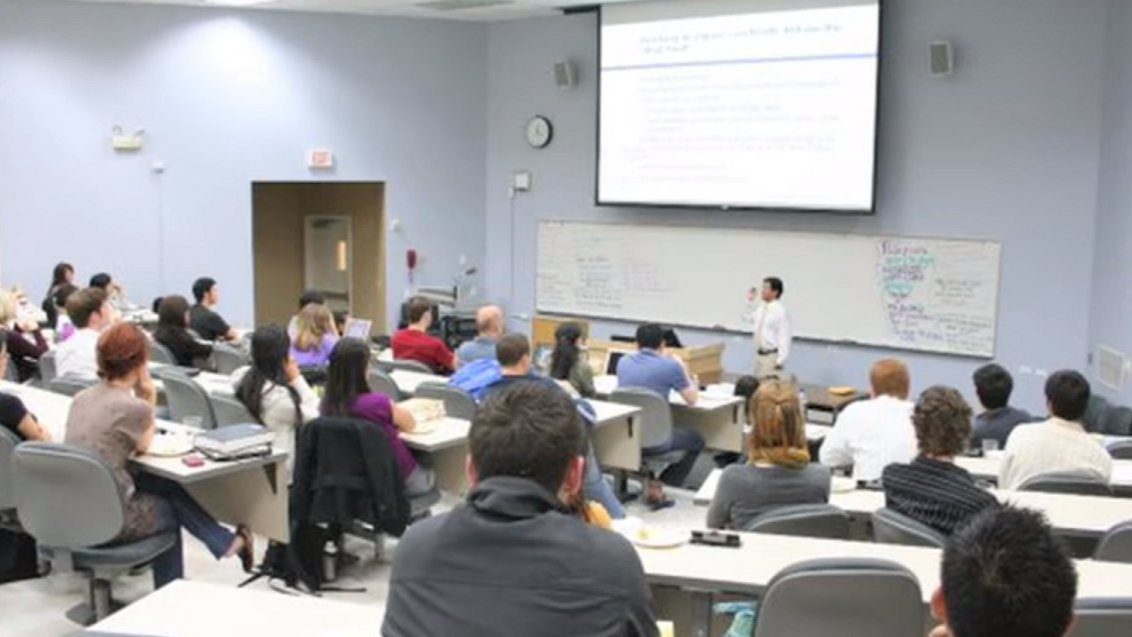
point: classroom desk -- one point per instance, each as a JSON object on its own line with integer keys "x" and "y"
{"x": 702, "y": 571}
{"x": 819, "y": 398}
{"x": 1071, "y": 515}
{"x": 719, "y": 419}
{"x": 408, "y": 381}
{"x": 988, "y": 468}
{"x": 191, "y": 609}
{"x": 251, "y": 492}
{"x": 616, "y": 443}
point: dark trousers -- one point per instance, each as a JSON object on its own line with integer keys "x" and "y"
{"x": 178, "y": 510}
{"x": 682, "y": 439}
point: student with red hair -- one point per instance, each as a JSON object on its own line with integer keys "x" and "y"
{"x": 115, "y": 420}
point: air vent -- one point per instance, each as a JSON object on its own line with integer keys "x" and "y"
{"x": 461, "y": 5}
{"x": 1112, "y": 367}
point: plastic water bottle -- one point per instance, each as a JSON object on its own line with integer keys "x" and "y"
{"x": 330, "y": 561}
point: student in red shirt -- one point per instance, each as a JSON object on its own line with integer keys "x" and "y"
{"x": 414, "y": 343}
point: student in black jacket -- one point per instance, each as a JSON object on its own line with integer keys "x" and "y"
{"x": 513, "y": 559}
{"x": 172, "y": 332}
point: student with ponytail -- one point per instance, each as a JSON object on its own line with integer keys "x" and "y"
{"x": 778, "y": 471}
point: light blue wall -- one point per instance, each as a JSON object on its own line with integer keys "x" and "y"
{"x": 1112, "y": 292}
{"x": 1006, "y": 149}
{"x": 227, "y": 98}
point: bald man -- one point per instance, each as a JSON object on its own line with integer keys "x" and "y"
{"x": 489, "y": 327}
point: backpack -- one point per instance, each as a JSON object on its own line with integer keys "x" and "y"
{"x": 477, "y": 376}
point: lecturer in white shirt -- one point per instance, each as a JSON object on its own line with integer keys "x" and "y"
{"x": 772, "y": 330}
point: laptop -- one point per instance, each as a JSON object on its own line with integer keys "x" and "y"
{"x": 358, "y": 328}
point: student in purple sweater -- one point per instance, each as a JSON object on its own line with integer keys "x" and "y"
{"x": 348, "y": 395}
{"x": 315, "y": 336}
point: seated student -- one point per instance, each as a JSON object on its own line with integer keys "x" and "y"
{"x": 115, "y": 294}
{"x": 308, "y": 297}
{"x": 489, "y": 327}
{"x": 514, "y": 559}
{"x": 513, "y": 352}
{"x": 1005, "y": 575}
{"x": 64, "y": 327}
{"x": 654, "y": 369}
{"x": 993, "y": 384}
{"x": 15, "y": 417}
{"x": 91, "y": 313}
{"x": 273, "y": 390}
{"x": 778, "y": 471}
{"x": 173, "y": 332}
{"x": 1059, "y": 444}
{"x": 932, "y": 490}
{"x": 115, "y": 420}
{"x": 416, "y": 344}
{"x": 872, "y": 434}
{"x": 348, "y": 394}
{"x": 568, "y": 361}
{"x": 63, "y": 274}
{"x": 23, "y": 338}
{"x": 315, "y": 336}
{"x": 203, "y": 319}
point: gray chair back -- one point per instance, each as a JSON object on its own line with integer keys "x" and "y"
{"x": 1102, "y": 617}
{"x": 187, "y": 398}
{"x": 8, "y": 442}
{"x": 12, "y": 373}
{"x": 382, "y": 383}
{"x": 890, "y": 527}
{"x": 70, "y": 385}
{"x": 1121, "y": 450}
{"x": 228, "y": 410}
{"x": 159, "y": 353}
{"x": 227, "y": 358}
{"x": 95, "y": 503}
{"x": 457, "y": 402}
{"x": 47, "y": 367}
{"x": 843, "y": 596}
{"x": 407, "y": 365}
{"x": 1095, "y": 413}
{"x": 1115, "y": 546}
{"x": 656, "y": 413}
{"x": 1117, "y": 421}
{"x": 1067, "y": 482}
{"x": 804, "y": 520}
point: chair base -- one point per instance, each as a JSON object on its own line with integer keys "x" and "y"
{"x": 85, "y": 615}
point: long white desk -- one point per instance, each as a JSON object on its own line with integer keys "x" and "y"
{"x": 702, "y": 571}
{"x": 718, "y": 418}
{"x": 988, "y": 469}
{"x": 1077, "y": 515}
{"x": 251, "y": 492}
{"x": 408, "y": 382}
{"x": 192, "y": 609}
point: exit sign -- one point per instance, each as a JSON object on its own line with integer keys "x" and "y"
{"x": 321, "y": 159}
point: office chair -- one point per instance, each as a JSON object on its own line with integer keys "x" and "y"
{"x": 227, "y": 358}
{"x": 382, "y": 383}
{"x": 803, "y": 520}
{"x": 1121, "y": 450}
{"x": 656, "y": 426}
{"x": 1102, "y": 617}
{"x": 228, "y": 410}
{"x": 70, "y": 385}
{"x": 159, "y": 353}
{"x": 47, "y": 367}
{"x": 1067, "y": 482}
{"x": 187, "y": 398}
{"x": 8, "y": 442}
{"x": 68, "y": 499}
{"x": 890, "y": 527}
{"x": 1117, "y": 421}
{"x": 407, "y": 366}
{"x": 457, "y": 402}
{"x": 1116, "y": 545}
{"x": 1095, "y": 413}
{"x": 842, "y": 596}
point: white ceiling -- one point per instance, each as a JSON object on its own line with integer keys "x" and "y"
{"x": 504, "y": 10}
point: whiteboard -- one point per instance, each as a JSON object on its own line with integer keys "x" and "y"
{"x": 935, "y": 295}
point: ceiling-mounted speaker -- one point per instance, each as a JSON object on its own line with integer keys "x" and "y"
{"x": 943, "y": 58}
{"x": 564, "y": 76}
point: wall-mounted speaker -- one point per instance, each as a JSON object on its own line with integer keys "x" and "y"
{"x": 564, "y": 76}
{"x": 942, "y": 58}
